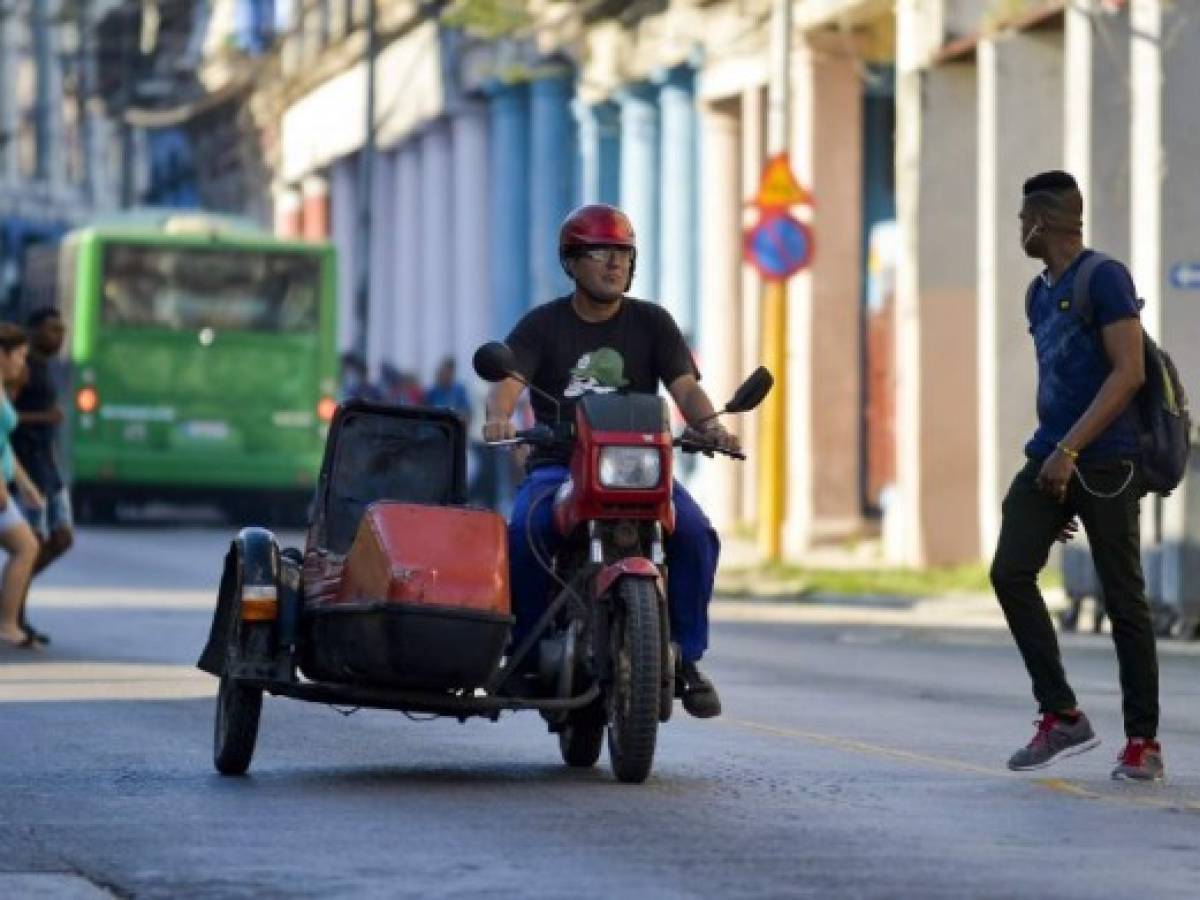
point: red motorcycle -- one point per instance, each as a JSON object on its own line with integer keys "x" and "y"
{"x": 400, "y": 598}
{"x": 608, "y": 624}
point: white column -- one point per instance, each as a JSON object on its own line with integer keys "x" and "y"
{"x": 1146, "y": 158}
{"x": 382, "y": 312}
{"x": 55, "y": 124}
{"x": 1078, "y": 95}
{"x": 1166, "y": 242}
{"x": 1097, "y": 125}
{"x": 936, "y": 519}
{"x": 800, "y": 509}
{"x": 437, "y": 321}
{"x": 104, "y": 182}
{"x": 344, "y": 223}
{"x": 406, "y": 324}
{"x": 911, "y": 55}
{"x": 824, "y": 315}
{"x": 639, "y": 181}
{"x": 472, "y": 236}
{"x": 933, "y": 517}
{"x": 753, "y": 153}
{"x": 716, "y": 482}
{"x": 1020, "y": 134}
{"x": 8, "y": 99}
{"x": 677, "y": 182}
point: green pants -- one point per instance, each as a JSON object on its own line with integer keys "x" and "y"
{"x": 1032, "y": 521}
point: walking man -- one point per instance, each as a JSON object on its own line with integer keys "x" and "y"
{"x": 1083, "y": 461}
{"x": 35, "y": 443}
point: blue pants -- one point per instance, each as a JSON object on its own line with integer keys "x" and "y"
{"x": 692, "y": 552}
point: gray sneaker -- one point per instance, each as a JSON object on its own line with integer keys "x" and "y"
{"x": 1054, "y": 739}
{"x": 1141, "y": 761}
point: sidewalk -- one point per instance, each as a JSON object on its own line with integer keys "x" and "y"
{"x": 746, "y": 590}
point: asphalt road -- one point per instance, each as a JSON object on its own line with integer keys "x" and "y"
{"x": 852, "y": 761}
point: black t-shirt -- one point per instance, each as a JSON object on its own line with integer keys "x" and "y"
{"x": 567, "y": 357}
{"x": 34, "y": 444}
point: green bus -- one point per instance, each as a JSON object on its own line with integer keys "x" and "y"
{"x": 203, "y": 363}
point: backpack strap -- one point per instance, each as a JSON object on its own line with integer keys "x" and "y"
{"x": 1081, "y": 289}
{"x": 1029, "y": 292}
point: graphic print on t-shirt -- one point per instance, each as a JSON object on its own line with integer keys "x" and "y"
{"x": 599, "y": 372}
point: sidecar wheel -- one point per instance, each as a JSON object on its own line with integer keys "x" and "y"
{"x": 582, "y": 737}
{"x": 236, "y": 729}
{"x": 634, "y": 698}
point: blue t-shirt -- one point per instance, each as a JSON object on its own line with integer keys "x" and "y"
{"x": 1072, "y": 364}
{"x": 8, "y": 423}
{"x": 453, "y": 396}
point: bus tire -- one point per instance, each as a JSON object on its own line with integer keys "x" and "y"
{"x": 94, "y": 507}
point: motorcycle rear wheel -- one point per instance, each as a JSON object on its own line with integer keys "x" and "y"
{"x": 634, "y": 698}
{"x": 582, "y": 737}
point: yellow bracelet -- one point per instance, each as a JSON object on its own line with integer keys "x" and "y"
{"x": 1068, "y": 452}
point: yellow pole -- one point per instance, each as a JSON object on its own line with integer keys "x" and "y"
{"x": 772, "y": 455}
{"x": 772, "y": 473}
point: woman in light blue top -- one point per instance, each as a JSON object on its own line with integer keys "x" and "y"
{"x": 16, "y": 537}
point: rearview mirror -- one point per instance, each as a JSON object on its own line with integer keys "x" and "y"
{"x": 752, "y": 392}
{"x": 494, "y": 361}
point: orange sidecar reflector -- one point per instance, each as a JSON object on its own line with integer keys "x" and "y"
{"x": 260, "y": 603}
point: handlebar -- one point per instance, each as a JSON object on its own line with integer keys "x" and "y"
{"x": 689, "y": 442}
{"x": 538, "y": 436}
{"x": 692, "y": 441}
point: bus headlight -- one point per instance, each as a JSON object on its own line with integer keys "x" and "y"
{"x": 630, "y": 467}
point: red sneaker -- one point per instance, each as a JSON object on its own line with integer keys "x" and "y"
{"x": 1141, "y": 761}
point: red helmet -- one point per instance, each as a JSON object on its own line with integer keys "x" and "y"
{"x": 596, "y": 224}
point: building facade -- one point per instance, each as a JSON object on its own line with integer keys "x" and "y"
{"x": 107, "y": 105}
{"x": 910, "y": 377}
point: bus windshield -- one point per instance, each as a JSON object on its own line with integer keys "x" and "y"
{"x": 226, "y": 289}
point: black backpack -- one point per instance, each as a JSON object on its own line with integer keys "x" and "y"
{"x": 1164, "y": 424}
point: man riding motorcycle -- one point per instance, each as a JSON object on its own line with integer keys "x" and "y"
{"x": 598, "y": 340}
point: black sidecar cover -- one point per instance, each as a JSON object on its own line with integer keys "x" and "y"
{"x": 376, "y": 452}
{"x": 380, "y": 457}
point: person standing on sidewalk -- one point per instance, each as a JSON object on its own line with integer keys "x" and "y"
{"x": 1083, "y": 461}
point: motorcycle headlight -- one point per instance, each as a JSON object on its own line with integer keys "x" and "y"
{"x": 630, "y": 467}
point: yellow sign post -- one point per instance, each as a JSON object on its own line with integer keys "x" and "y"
{"x": 779, "y": 247}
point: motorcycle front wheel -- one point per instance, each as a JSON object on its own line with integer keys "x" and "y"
{"x": 634, "y": 697}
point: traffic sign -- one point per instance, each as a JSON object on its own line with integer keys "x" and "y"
{"x": 1186, "y": 276}
{"x": 779, "y": 246}
{"x": 779, "y": 188}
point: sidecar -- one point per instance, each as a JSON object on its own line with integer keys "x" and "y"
{"x": 398, "y": 600}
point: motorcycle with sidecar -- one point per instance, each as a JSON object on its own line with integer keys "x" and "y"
{"x": 400, "y": 597}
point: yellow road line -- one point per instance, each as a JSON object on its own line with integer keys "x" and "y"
{"x": 1062, "y": 786}
{"x": 1058, "y": 785}
{"x": 829, "y": 740}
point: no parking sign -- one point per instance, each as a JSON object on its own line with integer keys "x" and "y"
{"x": 779, "y": 245}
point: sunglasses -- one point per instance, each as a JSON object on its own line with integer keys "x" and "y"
{"x": 605, "y": 254}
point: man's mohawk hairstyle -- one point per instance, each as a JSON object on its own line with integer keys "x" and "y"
{"x": 1055, "y": 181}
